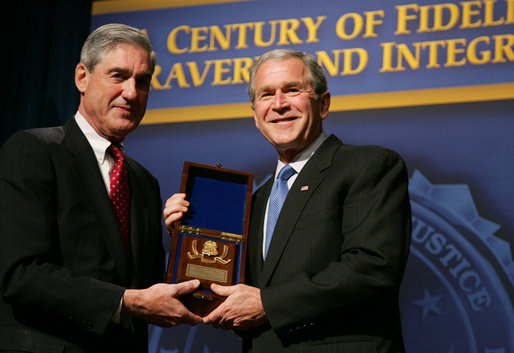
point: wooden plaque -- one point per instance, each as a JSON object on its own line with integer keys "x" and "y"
{"x": 209, "y": 242}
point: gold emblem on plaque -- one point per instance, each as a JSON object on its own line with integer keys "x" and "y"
{"x": 209, "y": 252}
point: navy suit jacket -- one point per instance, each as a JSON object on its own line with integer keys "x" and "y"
{"x": 331, "y": 278}
{"x": 63, "y": 268}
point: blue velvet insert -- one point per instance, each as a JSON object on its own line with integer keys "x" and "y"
{"x": 215, "y": 204}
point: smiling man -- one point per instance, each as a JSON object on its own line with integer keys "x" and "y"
{"x": 80, "y": 222}
{"x": 324, "y": 267}
{"x": 287, "y": 110}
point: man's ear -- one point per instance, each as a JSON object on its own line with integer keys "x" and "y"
{"x": 324, "y": 104}
{"x": 254, "y": 116}
{"x": 81, "y": 77}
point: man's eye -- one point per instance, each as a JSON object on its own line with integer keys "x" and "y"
{"x": 117, "y": 76}
{"x": 143, "y": 84}
{"x": 292, "y": 92}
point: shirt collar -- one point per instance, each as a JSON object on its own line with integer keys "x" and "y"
{"x": 97, "y": 142}
{"x": 303, "y": 157}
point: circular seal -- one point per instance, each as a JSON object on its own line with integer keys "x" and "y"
{"x": 457, "y": 291}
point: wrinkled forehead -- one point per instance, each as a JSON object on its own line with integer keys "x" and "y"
{"x": 285, "y": 73}
{"x": 127, "y": 52}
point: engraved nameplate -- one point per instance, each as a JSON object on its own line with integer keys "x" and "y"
{"x": 208, "y": 273}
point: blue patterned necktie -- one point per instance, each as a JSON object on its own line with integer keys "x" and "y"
{"x": 276, "y": 200}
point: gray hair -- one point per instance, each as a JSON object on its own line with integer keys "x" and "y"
{"x": 107, "y": 37}
{"x": 315, "y": 73}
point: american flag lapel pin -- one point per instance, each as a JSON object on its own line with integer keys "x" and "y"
{"x": 304, "y": 188}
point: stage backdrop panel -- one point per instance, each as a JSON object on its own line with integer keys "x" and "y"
{"x": 432, "y": 80}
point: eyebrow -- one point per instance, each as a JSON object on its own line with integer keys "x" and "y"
{"x": 283, "y": 85}
{"x": 144, "y": 75}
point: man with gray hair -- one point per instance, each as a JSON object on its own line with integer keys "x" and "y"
{"x": 329, "y": 234}
{"x": 81, "y": 253}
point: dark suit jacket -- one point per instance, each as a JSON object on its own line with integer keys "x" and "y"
{"x": 63, "y": 268}
{"x": 331, "y": 277}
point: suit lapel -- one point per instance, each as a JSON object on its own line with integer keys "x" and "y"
{"x": 256, "y": 230}
{"x": 311, "y": 176}
{"x": 139, "y": 216}
{"x": 90, "y": 178}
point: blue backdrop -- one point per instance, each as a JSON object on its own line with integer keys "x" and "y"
{"x": 452, "y": 124}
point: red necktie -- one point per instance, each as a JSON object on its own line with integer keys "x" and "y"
{"x": 120, "y": 197}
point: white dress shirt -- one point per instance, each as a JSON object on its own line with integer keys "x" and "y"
{"x": 297, "y": 163}
{"x": 99, "y": 145}
{"x": 105, "y": 163}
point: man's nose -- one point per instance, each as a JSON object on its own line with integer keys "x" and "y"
{"x": 279, "y": 100}
{"x": 129, "y": 89}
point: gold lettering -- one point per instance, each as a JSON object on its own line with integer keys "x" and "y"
{"x": 433, "y": 59}
{"x": 489, "y": 14}
{"x": 242, "y": 70}
{"x": 439, "y": 15}
{"x": 348, "y": 61}
{"x": 324, "y": 61}
{"x": 405, "y": 53}
{"x": 387, "y": 57}
{"x": 501, "y": 48}
{"x": 424, "y": 16}
{"x": 223, "y": 39}
{"x": 258, "y": 34}
{"x": 452, "y": 51}
{"x": 404, "y": 17}
{"x": 312, "y": 28}
{"x": 186, "y": 39}
{"x": 197, "y": 36}
{"x": 510, "y": 12}
{"x": 177, "y": 72}
{"x": 471, "y": 51}
{"x": 446, "y": 16}
{"x": 198, "y": 79}
{"x": 349, "y": 68}
{"x": 459, "y": 52}
{"x": 155, "y": 81}
{"x": 358, "y": 24}
{"x": 172, "y": 40}
{"x": 219, "y": 70}
{"x": 288, "y": 32}
{"x": 372, "y": 22}
{"x": 468, "y": 13}
{"x": 242, "y": 30}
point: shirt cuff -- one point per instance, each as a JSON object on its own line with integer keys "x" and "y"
{"x": 116, "y": 316}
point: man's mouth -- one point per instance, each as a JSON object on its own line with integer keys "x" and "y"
{"x": 125, "y": 109}
{"x": 284, "y": 119}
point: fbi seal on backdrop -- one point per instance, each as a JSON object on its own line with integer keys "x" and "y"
{"x": 457, "y": 291}
{"x": 456, "y": 296}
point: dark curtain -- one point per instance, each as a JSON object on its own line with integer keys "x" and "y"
{"x": 41, "y": 45}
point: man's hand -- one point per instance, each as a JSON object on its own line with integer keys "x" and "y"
{"x": 159, "y": 304}
{"x": 174, "y": 209}
{"x": 241, "y": 310}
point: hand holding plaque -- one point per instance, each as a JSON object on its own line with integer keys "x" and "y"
{"x": 209, "y": 241}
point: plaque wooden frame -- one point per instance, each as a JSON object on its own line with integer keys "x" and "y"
{"x": 204, "y": 246}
